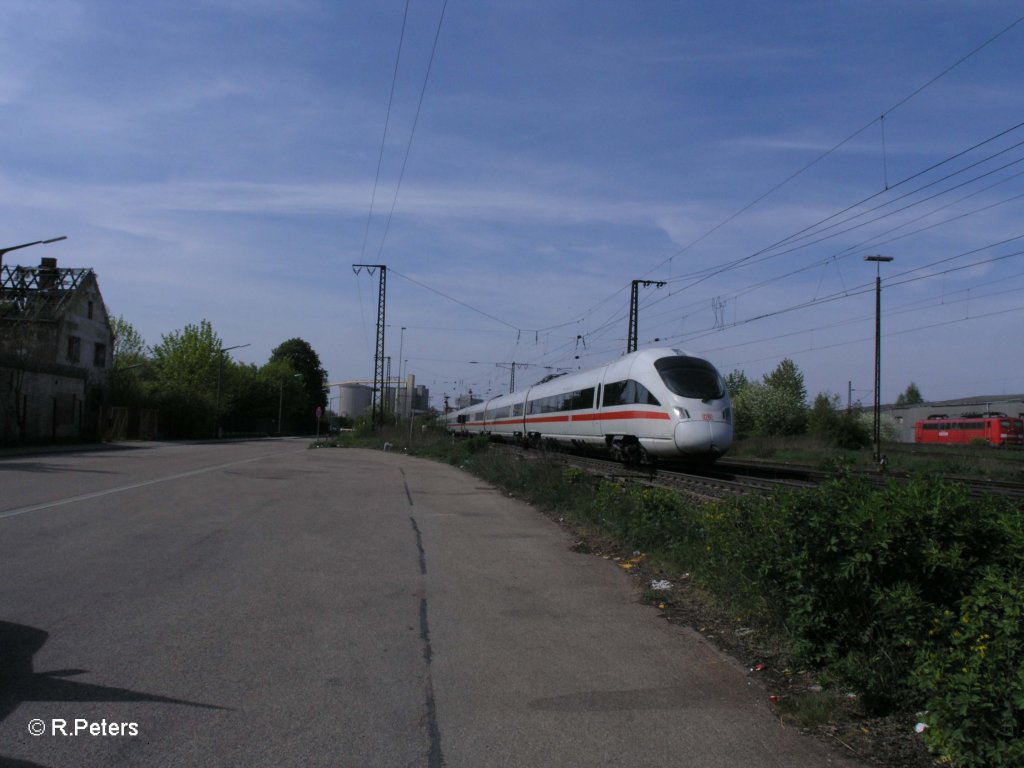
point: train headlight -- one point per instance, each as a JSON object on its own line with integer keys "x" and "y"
{"x": 681, "y": 413}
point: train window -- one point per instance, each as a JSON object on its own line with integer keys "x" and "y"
{"x": 613, "y": 393}
{"x": 628, "y": 392}
{"x": 691, "y": 377}
{"x": 642, "y": 395}
{"x": 583, "y": 398}
{"x": 567, "y": 401}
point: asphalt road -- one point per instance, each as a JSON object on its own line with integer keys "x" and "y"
{"x": 262, "y": 604}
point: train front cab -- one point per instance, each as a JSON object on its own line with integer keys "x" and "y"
{"x": 704, "y": 428}
{"x": 671, "y": 406}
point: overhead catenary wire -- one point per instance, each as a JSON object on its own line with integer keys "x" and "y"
{"x": 845, "y": 141}
{"x": 412, "y": 132}
{"x": 460, "y": 302}
{"x": 813, "y": 232}
{"x": 803, "y": 169}
{"x": 384, "y": 137}
{"x": 764, "y": 256}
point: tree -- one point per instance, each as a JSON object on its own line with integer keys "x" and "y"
{"x": 126, "y": 386}
{"x": 186, "y": 365}
{"x": 264, "y": 394}
{"x": 765, "y": 411}
{"x": 787, "y": 378}
{"x": 188, "y": 359}
{"x": 305, "y": 361}
{"x": 827, "y": 420}
{"x": 912, "y": 396}
{"x": 736, "y": 382}
{"x": 772, "y": 407}
{"x": 129, "y": 347}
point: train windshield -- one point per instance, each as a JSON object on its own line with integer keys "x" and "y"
{"x": 691, "y": 377}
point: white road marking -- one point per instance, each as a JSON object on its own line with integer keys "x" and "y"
{"x": 143, "y": 484}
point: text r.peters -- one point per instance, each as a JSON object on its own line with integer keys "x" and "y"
{"x": 82, "y": 727}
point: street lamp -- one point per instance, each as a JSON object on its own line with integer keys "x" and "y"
{"x": 4, "y": 251}
{"x": 877, "y": 433}
{"x": 399, "y": 410}
{"x": 220, "y": 371}
{"x": 280, "y": 401}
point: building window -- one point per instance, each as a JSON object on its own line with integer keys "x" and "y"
{"x": 74, "y": 349}
{"x": 100, "y": 356}
{"x": 90, "y": 310}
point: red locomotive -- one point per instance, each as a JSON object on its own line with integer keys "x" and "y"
{"x": 993, "y": 428}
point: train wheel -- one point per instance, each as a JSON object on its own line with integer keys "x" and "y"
{"x": 634, "y": 454}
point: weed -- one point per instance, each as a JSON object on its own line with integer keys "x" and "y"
{"x": 813, "y": 708}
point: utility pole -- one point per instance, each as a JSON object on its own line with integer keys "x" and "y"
{"x": 512, "y": 377}
{"x": 877, "y": 435}
{"x": 634, "y": 310}
{"x": 377, "y": 412}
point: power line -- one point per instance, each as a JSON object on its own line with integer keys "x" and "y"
{"x": 807, "y": 167}
{"x": 415, "y": 122}
{"x": 845, "y": 141}
{"x": 383, "y": 139}
{"x": 457, "y": 301}
{"x": 765, "y": 256}
{"x": 902, "y": 332}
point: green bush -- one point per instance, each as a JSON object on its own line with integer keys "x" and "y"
{"x": 972, "y": 677}
{"x": 859, "y": 574}
{"x": 912, "y": 594}
{"x": 828, "y": 421}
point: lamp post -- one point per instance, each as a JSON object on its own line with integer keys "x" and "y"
{"x": 877, "y": 433}
{"x": 220, "y": 372}
{"x": 280, "y": 402}
{"x": 4, "y": 251}
{"x": 399, "y": 411}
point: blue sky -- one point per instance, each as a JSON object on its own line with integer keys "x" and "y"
{"x": 217, "y": 160}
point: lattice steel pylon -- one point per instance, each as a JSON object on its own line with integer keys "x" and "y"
{"x": 377, "y": 412}
{"x": 634, "y": 311}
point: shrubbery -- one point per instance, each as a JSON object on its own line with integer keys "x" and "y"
{"x": 972, "y": 677}
{"x": 912, "y": 594}
{"x": 844, "y": 429}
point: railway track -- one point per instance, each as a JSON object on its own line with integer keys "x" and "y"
{"x": 978, "y": 486}
{"x": 730, "y": 478}
{"x": 709, "y": 483}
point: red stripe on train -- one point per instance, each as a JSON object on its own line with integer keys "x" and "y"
{"x": 603, "y": 416}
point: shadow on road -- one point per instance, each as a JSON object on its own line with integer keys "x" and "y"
{"x": 19, "y": 681}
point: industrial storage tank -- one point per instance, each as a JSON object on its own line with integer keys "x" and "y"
{"x": 354, "y": 400}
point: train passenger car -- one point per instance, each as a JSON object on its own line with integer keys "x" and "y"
{"x": 998, "y": 430}
{"x": 652, "y": 403}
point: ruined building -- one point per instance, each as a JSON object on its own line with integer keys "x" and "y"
{"x": 56, "y": 349}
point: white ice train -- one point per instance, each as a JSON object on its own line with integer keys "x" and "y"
{"x": 655, "y": 403}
